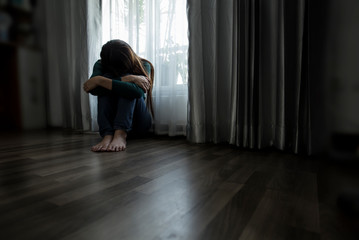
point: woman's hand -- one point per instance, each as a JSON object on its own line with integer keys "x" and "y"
{"x": 141, "y": 81}
{"x": 91, "y": 84}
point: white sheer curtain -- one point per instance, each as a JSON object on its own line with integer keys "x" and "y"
{"x": 157, "y": 31}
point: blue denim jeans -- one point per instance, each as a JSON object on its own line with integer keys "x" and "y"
{"x": 130, "y": 115}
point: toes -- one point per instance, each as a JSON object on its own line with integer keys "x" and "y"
{"x": 95, "y": 148}
{"x": 110, "y": 148}
{"x": 104, "y": 148}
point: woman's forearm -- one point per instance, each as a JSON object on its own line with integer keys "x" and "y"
{"x": 139, "y": 80}
{"x": 98, "y": 85}
{"x": 104, "y": 82}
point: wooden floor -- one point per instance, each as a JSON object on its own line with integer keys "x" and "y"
{"x": 53, "y": 187}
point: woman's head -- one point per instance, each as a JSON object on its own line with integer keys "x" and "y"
{"x": 118, "y": 58}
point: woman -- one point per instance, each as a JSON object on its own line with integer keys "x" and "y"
{"x": 120, "y": 79}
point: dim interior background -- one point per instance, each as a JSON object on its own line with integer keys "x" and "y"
{"x": 48, "y": 48}
{"x": 44, "y": 42}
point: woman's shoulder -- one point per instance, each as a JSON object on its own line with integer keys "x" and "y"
{"x": 145, "y": 63}
{"x": 147, "y": 66}
{"x": 97, "y": 63}
{"x": 97, "y": 69}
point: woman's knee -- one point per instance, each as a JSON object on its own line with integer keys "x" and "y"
{"x": 125, "y": 106}
{"x": 104, "y": 104}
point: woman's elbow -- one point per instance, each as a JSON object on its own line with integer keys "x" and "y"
{"x": 139, "y": 95}
{"x": 94, "y": 92}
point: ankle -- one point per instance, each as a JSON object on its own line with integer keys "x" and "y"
{"x": 106, "y": 137}
{"x": 120, "y": 133}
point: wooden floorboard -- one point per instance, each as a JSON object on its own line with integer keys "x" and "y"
{"x": 53, "y": 187}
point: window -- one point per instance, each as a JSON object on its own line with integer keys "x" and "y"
{"x": 157, "y": 31}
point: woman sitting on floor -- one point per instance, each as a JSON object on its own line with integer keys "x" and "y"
{"x": 121, "y": 80}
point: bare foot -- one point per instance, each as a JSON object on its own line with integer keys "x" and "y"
{"x": 118, "y": 142}
{"x": 103, "y": 145}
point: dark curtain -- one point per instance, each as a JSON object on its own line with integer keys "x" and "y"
{"x": 248, "y": 73}
{"x": 71, "y": 41}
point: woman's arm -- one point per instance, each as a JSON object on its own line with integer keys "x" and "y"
{"x": 125, "y": 89}
{"x": 97, "y": 90}
{"x": 139, "y": 80}
{"x": 99, "y": 85}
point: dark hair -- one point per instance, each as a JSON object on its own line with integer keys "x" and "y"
{"x": 118, "y": 58}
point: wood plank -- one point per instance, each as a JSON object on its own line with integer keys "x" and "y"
{"x": 273, "y": 219}
{"x": 233, "y": 218}
{"x": 53, "y": 187}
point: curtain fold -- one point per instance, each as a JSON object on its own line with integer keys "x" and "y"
{"x": 248, "y": 81}
{"x": 94, "y": 44}
{"x": 66, "y": 55}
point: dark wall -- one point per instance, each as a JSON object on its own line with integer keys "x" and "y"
{"x": 334, "y": 69}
